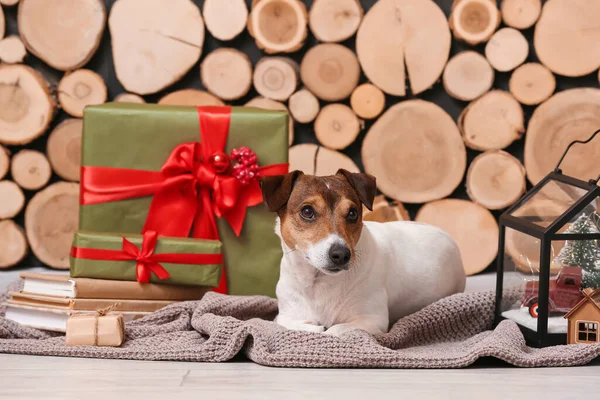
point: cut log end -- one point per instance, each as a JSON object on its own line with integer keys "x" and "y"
{"x": 51, "y": 219}
{"x": 9, "y": 3}
{"x": 12, "y": 50}
{"x": 337, "y": 126}
{"x": 367, "y": 101}
{"x": 416, "y": 152}
{"x": 30, "y": 169}
{"x": 2, "y": 23}
{"x": 316, "y": 160}
{"x": 384, "y": 211}
{"x": 64, "y": 149}
{"x": 13, "y": 199}
{"x": 474, "y": 21}
{"x": 330, "y": 71}
{"x": 495, "y": 180}
{"x": 79, "y": 89}
{"x": 400, "y": 37}
{"x": 154, "y": 45}
{"x": 268, "y": 104}
{"x": 492, "y": 122}
{"x": 225, "y": 19}
{"x": 278, "y": 26}
{"x": 42, "y": 28}
{"x": 304, "y": 106}
{"x": 532, "y": 84}
{"x": 129, "y": 98}
{"x": 276, "y": 77}
{"x": 191, "y": 97}
{"x": 467, "y": 76}
{"x": 334, "y": 20}
{"x": 227, "y": 73}
{"x": 566, "y": 37}
{"x": 477, "y": 240}
{"x": 4, "y": 161}
{"x": 507, "y": 49}
{"x": 13, "y": 244}
{"x": 26, "y": 106}
{"x": 521, "y": 14}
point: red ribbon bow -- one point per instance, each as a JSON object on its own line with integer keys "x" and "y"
{"x": 188, "y": 191}
{"x": 146, "y": 261}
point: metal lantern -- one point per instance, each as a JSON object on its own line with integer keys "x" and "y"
{"x": 548, "y": 254}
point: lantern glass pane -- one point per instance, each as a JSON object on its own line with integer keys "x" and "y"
{"x": 549, "y": 203}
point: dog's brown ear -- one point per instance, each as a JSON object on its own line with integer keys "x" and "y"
{"x": 363, "y": 184}
{"x": 277, "y": 189}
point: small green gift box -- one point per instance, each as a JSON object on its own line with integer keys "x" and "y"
{"x": 188, "y": 172}
{"x": 146, "y": 258}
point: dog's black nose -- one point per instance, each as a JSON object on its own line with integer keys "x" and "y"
{"x": 339, "y": 255}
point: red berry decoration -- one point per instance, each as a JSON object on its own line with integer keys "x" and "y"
{"x": 220, "y": 162}
{"x": 246, "y": 167}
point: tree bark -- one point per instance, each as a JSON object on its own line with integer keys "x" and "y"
{"x": 225, "y": 19}
{"x": 330, "y": 71}
{"x": 416, "y": 152}
{"x": 278, "y": 26}
{"x": 13, "y": 244}
{"x": 367, "y": 101}
{"x": 79, "y": 89}
{"x": 337, "y": 126}
{"x": 334, "y": 20}
{"x": 492, "y": 122}
{"x": 13, "y": 199}
{"x": 30, "y": 169}
{"x": 532, "y": 84}
{"x": 473, "y": 228}
{"x": 26, "y": 107}
{"x": 468, "y": 75}
{"x": 507, "y": 49}
{"x": 154, "y": 42}
{"x": 227, "y": 73}
{"x": 51, "y": 219}
{"x": 403, "y": 34}
{"x": 63, "y": 46}
{"x": 276, "y": 77}
{"x": 12, "y": 50}
{"x": 64, "y": 149}
{"x": 304, "y": 106}
{"x": 495, "y": 180}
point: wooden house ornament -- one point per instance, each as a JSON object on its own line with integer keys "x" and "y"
{"x": 584, "y": 319}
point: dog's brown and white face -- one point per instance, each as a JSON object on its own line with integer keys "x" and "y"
{"x": 321, "y": 217}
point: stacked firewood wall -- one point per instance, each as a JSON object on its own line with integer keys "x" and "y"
{"x": 455, "y": 106}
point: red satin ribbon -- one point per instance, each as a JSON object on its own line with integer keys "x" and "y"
{"x": 187, "y": 192}
{"x": 146, "y": 261}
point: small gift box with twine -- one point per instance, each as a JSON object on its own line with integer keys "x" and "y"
{"x": 99, "y": 329}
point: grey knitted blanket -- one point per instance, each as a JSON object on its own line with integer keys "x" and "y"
{"x": 452, "y": 333}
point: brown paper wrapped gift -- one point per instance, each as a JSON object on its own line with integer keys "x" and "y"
{"x": 95, "y": 330}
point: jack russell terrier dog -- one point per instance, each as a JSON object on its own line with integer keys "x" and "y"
{"x": 339, "y": 273}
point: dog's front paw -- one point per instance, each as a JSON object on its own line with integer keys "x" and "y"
{"x": 340, "y": 329}
{"x": 299, "y": 325}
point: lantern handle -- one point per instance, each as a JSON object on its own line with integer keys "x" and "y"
{"x": 557, "y": 168}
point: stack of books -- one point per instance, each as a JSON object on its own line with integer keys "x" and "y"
{"x": 47, "y": 300}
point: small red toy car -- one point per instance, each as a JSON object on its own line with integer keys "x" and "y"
{"x": 564, "y": 292}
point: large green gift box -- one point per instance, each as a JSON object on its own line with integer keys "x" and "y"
{"x": 143, "y": 137}
{"x": 99, "y": 255}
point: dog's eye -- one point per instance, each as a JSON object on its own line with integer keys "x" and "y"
{"x": 308, "y": 213}
{"x": 352, "y": 215}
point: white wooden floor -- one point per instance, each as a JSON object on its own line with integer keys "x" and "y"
{"x": 25, "y": 377}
